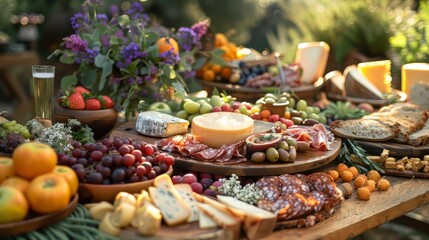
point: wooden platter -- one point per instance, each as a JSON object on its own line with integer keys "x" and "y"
{"x": 34, "y": 222}
{"x": 304, "y": 162}
{"x": 249, "y": 94}
{"x": 179, "y": 232}
{"x": 395, "y": 149}
{"x": 375, "y": 102}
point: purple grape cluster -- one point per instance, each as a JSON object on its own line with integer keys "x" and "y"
{"x": 10, "y": 142}
{"x": 116, "y": 161}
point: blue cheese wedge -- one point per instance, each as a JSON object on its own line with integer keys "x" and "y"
{"x": 185, "y": 191}
{"x": 157, "y": 124}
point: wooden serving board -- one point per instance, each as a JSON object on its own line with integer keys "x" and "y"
{"x": 305, "y": 160}
{"x": 179, "y": 232}
{"x": 34, "y": 222}
{"x": 375, "y": 102}
{"x": 395, "y": 149}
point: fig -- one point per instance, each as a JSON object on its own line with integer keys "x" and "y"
{"x": 260, "y": 142}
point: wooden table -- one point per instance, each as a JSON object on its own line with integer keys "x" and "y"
{"x": 354, "y": 216}
{"x": 8, "y": 61}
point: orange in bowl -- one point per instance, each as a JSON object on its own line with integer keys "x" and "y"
{"x": 166, "y": 44}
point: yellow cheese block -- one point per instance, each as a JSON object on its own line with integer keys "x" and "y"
{"x": 218, "y": 128}
{"x": 378, "y": 73}
{"x": 413, "y": 73}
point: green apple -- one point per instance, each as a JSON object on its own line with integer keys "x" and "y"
{"x": 182, "y": 114}
{"x": 13, "y": 205}
{"x": 160, "y": 107}
{"x": 216, "y": 101}
{"x": 206, "y": 108}
{"x": 192, "y": 107}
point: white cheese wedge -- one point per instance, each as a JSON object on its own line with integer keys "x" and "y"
{"x": 230, "y": 223}
{"x": 205, "y": 222}
{"x": 258, "y": 223}
{"x": 185, "y": 191}
{"x": 357, "y": 85}
{"x": 173, "y": 207}
{"x": 218, "y": 128}
{"x": 313, "y": 57}
{"x": 157, "y": 124}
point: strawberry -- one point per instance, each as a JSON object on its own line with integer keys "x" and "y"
{"x": 81, "y": 90}
{"x": 92, "y": 104}
{"x": 75, "y": 101}
{"x": 107, "y": 102}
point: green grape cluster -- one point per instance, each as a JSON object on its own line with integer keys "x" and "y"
{"x": 14, "y": 127}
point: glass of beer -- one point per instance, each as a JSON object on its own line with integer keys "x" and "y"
{"x": 43, "y": 80}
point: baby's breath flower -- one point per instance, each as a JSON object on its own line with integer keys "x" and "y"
{"x": 232, "y": 187}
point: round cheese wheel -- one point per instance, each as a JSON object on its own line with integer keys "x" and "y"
{"x": 218, "y": 128}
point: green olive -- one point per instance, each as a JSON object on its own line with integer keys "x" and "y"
{"x": 284, "y": 145}
{"x": 292, "y": 102}
{"x": 291, "y": 142}
{"x": 304, "y": 114}
{"x": 296, "y": 120}
{"x": 270, "y": 95}
{"x": 258, "y": 157}
{"x": 322, "y": 119}
{"x": 269, "y": 100}
{"x": 272, "y": 154}
{"x": 316, "y": 109}
{"x": 314, "y": 116}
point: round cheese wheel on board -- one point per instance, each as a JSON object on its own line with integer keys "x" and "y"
{"x": 218, "y": 128}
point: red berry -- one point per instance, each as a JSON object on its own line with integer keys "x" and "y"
{"x": 75, "y": 101}
{"x": 81, "y": 90}
{"x": 107, "y": 102}
{"x": 225, "y": 107}
{"x": 273, "y": 118}
{"x": 140, "y": 170}
{"x": 148, "y": 150}
{"x": 92, "y": 104}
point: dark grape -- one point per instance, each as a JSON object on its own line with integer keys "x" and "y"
{"x": 117, "y": 143}
{"x": 137, "y": 146}
{"x": 130, "y": 171}
{"x": 148, "y": 149}
{"x": 83, "y": 161}
{"x": 150, "y": 159}
{"x": 209, "y": 192}
{"x": 206, "y": 182}
{"x": 95, "y": 178}
{"x": 206, "y": 175}
{"x": 107, "y": 142}
{"x": 160, "y": 158}
{"x": 77, "y": 144}
{"x": 176, "y": 179}
{"x": 107, "y": 161}
{"x": 157, "y": 170}
{"x": 216, "y": 184}
{"x": 134, "y": 178}
{"x": 148, "y": 166}
{"x": 118, "y": 175}
{"x": 124, "y": 150}
{"x": 106, "y": 172}
{"x": 169, "y": 160}
{"x": 106, "y": 181}
{"x": 143, "y": 178}
{"x": 131, "y": 147}
{"x": 91, "y": 147}
{"x": 128, "y": 160}
{"x": 151, "y": 174}
{"x": 137, "y": 154}
{"x": 197, "y": 187}
{"x": 83, "y": 154}
{"x": 126, "y": 141}
{"x": 142, "y": 159}
{"x": 117, "y": 159}
{"x": 77, "y": 165}
{"x": 140, "y": 170}
{"x": 98, "y": 167}
{"x": 72, "y": 161}
{"x": 64, "y": 160}
{"x": 102, "y": 148}
{"x": 164, "y": 167}
{"x": 80, "y": 173}
{"x": 96, "y": 155}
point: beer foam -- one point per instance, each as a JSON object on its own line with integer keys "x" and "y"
{"x": 43, "y": 75}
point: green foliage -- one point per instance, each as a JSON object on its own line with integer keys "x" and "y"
{"x": 411, "y": 43}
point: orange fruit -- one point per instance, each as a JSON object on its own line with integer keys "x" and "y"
{"x": 48, "y": 193}
{"x": 32, "y": 159}
{"x": 18, "y": 183}
{"x": 166, "y": 44}
{"x": 225, "y": 72}
{"x": 220, "y": 40}
{"x": 209, "y": 75}
{"x": 6, "y": 168}
{"x": 216, "y": 68}
{"x": 68, "y": 174}
{"x": 13, "y": 205}
{"x": 265, "y": 113}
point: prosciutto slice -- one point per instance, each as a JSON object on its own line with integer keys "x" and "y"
{"x": 316, "y": 135}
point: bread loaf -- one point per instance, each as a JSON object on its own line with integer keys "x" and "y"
{"x": 369, "y": 130}
{"x": 418, "y": 95}
{"x": 420, "y": 137}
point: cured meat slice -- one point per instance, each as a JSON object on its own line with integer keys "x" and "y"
{"x": 319, "y": 181}
{"x": 191, "y": 148}
{"x": 291, "y": 206}
{"x": 270, "y": 187}
{"x": 293, "y": 184}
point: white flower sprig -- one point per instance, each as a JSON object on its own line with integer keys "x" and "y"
{"x": 232, "y": 187}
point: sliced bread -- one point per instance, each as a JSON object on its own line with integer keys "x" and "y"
{"x": 420, "y": 137}
{"x": 364, "y": 129}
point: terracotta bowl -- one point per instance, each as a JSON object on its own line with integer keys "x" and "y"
{"x": 100, "y": 121}
{"x": 99, "y": 192}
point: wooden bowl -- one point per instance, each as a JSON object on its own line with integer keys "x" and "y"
{"x": 100, "y": 121}
{"x": 308, "y": 92}
{"x": 37, "y": 221}
{"x": 99, "y": 192}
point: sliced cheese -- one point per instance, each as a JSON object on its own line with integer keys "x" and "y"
{"x": 312, "y": 56}
{"x": 258, "y": 223}
{"x": 218, "y": 128}
{"x": 99, "y": 210}
{"x": 334, "y": 83}
{"x": 157, "y": 124}
{"x": 106, "y": 226}
{"x": 150, "y": 221}
{"x": 357, "y": 85}
{"x": 230, "y": 223}
{"x": 378, "y": 73}
{"x": 173, "y": 207}
{"x": 185, "y": 191}
{"x": 124, "y": 197}
{"x": 413, "y": 73}
{"x": 205, "y": 222}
